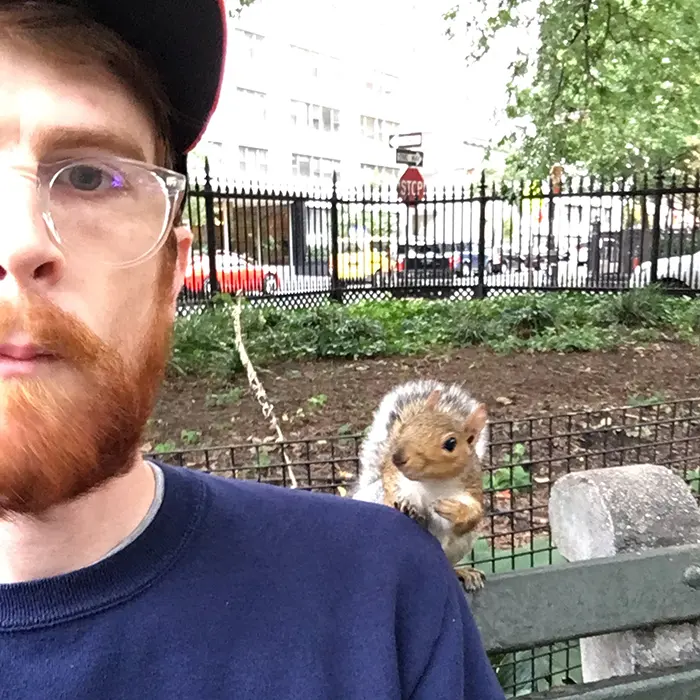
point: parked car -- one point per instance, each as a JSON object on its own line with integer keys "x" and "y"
{"x": 423, "y": 261}
{"x": 676, "y": 272}
{"x": 465, "y": 260}
{"x": 362, "y": 259}
{"x": 234, "y": 272}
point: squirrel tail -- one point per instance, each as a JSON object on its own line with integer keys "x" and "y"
{"x": 374, "y": 445}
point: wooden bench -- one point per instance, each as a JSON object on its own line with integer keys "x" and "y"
{"x": 549, "y": 604}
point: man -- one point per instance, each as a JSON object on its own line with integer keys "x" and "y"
{"x": 125, "y": 579}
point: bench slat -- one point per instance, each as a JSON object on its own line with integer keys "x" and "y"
{"x": 555, "y": 603}
{"x": 674, "y": 684}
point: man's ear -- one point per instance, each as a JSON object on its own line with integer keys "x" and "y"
{"x": 183, "y": 236}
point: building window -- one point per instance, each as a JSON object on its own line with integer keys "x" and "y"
{"x": 305, "y": 63}
{"x": 251, "y": 105}
{"x": 574, "y": 213}
{"x": 382, "y": 84}
{"x": 602, "y": 217}
{"x": 377, "y": 129}
{"x": 247, "y": 47}
{"x": 208, "y": 151}
{"x": 252, "y": 160}
{"x": 313, "y": 116}
{"x": 214, "y": 152}
{"x": 379, "y": 174}
{"x": 313, "y": 168}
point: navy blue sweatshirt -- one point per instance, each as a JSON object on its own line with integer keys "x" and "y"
{"x": 248, "y": 592}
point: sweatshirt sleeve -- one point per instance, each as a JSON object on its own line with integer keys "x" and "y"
{"x": 458, "y": 666}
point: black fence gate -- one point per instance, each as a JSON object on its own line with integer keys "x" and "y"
{"x": 294, "y": 248}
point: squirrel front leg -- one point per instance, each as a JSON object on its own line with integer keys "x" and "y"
{"x": 464, "y": 515}
{"x": 390, "y": 477}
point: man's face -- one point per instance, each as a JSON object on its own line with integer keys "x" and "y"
{"x": 96, "y": 336}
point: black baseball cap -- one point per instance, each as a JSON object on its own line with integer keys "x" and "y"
{"x": 186, "y": 43}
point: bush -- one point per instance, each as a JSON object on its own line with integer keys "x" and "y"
{"x": 560, "y": 322}
{"x": 645, "y": 307}
{"x": 203, "y": 344}
{"x": 338, "y": 333}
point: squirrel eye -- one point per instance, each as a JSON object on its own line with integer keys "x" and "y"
{"x": 450, "y": 444}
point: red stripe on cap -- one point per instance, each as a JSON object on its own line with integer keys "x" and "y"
{"x": 224, "y": 46}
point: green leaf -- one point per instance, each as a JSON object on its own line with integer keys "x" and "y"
{"x": 613, "y": 88}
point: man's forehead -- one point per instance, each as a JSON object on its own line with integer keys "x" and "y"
{"x": 45, "y": 140}
{"x": 43, "y": 113}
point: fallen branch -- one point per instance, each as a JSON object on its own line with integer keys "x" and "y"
{"x": 257, "y": 387}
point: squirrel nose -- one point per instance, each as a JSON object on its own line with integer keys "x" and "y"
{"x": 399, "y": 458}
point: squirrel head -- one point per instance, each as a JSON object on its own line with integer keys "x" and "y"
{"x": 430, "y": 443}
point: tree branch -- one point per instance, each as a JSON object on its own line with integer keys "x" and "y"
{"x": 587, "y": 37}
{"x": 560, "y": 87}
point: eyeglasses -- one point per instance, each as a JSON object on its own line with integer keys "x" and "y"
{"x": 115, "y": 210}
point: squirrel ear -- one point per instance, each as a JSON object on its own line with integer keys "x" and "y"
{"x": 432, "y": 400}
{"x": 476, "y": 422}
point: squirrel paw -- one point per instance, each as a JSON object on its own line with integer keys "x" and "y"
{"x": 450, "y": 509}
{"x": 464, "y": 517}
{"x": 472, "y": 579}
{"x": 411, "y": 511}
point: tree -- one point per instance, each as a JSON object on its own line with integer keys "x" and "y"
{"x": 610, "y": 87}
{"x": 235, "y": 7}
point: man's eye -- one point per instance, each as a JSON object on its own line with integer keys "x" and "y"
{"x": 88, "y": 178}
{"x": 84, "y": 177}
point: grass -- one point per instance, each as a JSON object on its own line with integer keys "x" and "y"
{"x": 559, "y": 322}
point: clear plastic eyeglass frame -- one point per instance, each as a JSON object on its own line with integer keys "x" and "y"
{"x": 172, "y": 185}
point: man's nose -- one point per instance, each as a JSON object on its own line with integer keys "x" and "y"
{"x": 29, "y": 256}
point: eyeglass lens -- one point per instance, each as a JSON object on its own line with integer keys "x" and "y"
{"x": 116, "y": 213}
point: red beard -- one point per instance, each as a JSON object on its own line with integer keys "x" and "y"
{"x": 70, "y": 429}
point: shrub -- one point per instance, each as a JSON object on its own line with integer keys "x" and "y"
{"x": 645, "y": 307}
{"x": 203, "y": 344}
{"x": 561, "y": 322}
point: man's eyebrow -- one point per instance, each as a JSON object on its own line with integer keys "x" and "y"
{"x": 73, "y": 139}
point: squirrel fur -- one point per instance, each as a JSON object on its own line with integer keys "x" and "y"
{"x": 422, "y": 455}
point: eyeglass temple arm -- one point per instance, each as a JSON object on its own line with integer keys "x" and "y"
{"x": 180, "y": 165}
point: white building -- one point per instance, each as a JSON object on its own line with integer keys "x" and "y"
{"x": 317, "y": 86}
{"x": 298, "y": 104}
{"x": 314, "y": 86}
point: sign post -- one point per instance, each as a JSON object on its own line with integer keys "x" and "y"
{"x": 411, "y": 186}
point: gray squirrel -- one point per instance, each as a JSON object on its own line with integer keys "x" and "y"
{"x": 422, "y": 455}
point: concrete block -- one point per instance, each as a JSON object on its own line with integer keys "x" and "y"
{"x": 604, "y": 512}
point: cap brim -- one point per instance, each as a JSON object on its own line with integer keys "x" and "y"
{"x": 186, "y": 42}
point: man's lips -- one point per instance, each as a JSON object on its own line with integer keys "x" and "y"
{"x": 22, "y": 360}
{"x": 23, "y": 353}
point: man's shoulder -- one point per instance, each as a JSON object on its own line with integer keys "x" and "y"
{"x": 358, "y": 580}
{"x": 337, "y": 528}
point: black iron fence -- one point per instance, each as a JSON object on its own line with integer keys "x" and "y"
{"x": 469, "y": 241}
{"x": 525, "y": 458}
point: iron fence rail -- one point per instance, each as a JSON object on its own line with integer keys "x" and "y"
{"x": 296, "y": 247}
{"x": 525, "y": 457}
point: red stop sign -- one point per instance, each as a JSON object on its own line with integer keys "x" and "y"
{"x": 411, "y": 186}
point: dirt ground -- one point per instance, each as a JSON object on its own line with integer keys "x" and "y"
{"x": 321, "y": 399}
{"x": 323, "y": 404}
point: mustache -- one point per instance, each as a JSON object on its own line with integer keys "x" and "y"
{"x": 52, "y": 329}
